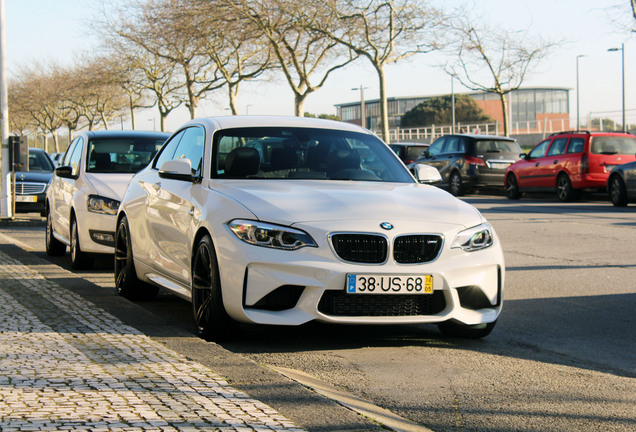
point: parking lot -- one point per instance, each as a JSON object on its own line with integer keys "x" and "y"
{"x": 561, "y": 357}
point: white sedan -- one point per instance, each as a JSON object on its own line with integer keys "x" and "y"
{"x": 285, "y": 220}
{"x": 82, "y": 199}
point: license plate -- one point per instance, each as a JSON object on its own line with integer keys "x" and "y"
{"x": 26, "y": 198}
{"x": 499, "y": 165}
{"x": 389, "y": 284}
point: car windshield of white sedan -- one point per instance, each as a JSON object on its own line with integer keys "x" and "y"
{"x": 121, "y": 155}
{"x": 304, "y": 153}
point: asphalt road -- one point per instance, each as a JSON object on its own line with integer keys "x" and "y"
{"x": 562, "y": 357}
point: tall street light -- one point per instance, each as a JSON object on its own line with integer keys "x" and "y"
{"x": 363, "y": 115}
{"x": 577, "y": 90}
{"x": 622, "y": 50}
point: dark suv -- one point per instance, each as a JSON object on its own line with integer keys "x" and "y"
{"x": 570, "y": 162}
{"x": 468, "y": 162}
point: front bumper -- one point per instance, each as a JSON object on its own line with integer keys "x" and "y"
{"x": 267, "y": 286}
{"x": 96, "y": 232}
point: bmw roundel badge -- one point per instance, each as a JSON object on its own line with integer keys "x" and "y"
{"x": 386, "y": 225}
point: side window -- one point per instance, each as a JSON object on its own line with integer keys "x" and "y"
{"x": 539, "y": 150}
{"x": 576, "y": 145}
{"x": 66, "y": 159}
{"x": 452, "y": 145}
{"x": 557, "y": 147}
{"x": 76, "y": 157}
{"x": 436, "y": 147}
{"x": 168, "y": 150}
{"x": 191, "y": 147}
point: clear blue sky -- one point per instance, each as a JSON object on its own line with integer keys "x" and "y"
{"x": 58, "y": 30}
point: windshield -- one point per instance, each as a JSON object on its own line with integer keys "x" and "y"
{"x": 121, "y": 155}
{"x": 610, "y": 145}
{"x": 304, "y": 153}
{"x": 39, "y": 161}
{"x": 497, "y": 146}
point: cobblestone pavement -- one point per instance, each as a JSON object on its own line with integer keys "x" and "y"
{"x": 65, "y": 364}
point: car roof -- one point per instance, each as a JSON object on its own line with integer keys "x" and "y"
{"x": 125, "y": 134}
{"x": 410, "y": 144}
{"x": 592, "y": 133}
{"x": 229, "y": 122}
{"x": 484, "y": 137}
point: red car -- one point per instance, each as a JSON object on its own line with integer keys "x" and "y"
{"x": 570, "y": 162}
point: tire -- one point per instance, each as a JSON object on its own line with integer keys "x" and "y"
{"x": 512, "y": 187}
{"x": 455, "y": 184}
{"x": 79, "y": 258}
{"x": 617, "y": 191}
{"x": 211, "y": 320}
{"x": 564, "y": 190}
{"x": 457, "y": 330}
{"x": 126, "y": 281}
{"x": 54, "y": 247}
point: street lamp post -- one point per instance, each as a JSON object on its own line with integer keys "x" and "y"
{"x": 577, "y": 91}
{"x": 622, "y": 50}
{"x": 363, "y": 114}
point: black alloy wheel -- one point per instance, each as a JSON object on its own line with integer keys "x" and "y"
{"x": 512, "y": 187}
{"x": 617, "y": 191}
{"x": 54, "y": 247}
{"x": 455, "y": 184}
{"x": 79, "y": 259}
{"x": 565, "y": 192}
{"x": 211, "y": 320}
{"x": 126, "y": 281}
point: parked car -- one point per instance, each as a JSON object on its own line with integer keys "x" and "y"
{"x": 31, "y": 185}
{"x": 408, "y": 152}
{"x": 56, "y": 158}
{"x": 468, "y": 162}
{"x": 316, "y": 233}
{"x": 569, "y": 163}
{"x": 621, "y": 184}
{"x": 82, "y": 201}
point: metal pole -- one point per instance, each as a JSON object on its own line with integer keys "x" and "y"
{"x": 363, "y": 113}
{"x": 623, "y": 77}
{"x": 453, "y": 103}
{"x": 6, "y": 210}
{"x": 577, "y": 91}
{"x": 622, "y": 50}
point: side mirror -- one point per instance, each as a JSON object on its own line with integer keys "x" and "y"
{"x": 64, "y": 172}
{"x": 177, "y": 169}
{"x": 523, "y": 156}
{"x": 427, "y": 174}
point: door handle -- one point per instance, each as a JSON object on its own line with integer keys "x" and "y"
{"x": 556, "y": 161}
{"x": 537, "y": 164}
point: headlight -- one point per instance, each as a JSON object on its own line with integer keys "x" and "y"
{"x": 100, "y": 204}
{"x": 270, "y": 235}
{"x": 475, "y": 238}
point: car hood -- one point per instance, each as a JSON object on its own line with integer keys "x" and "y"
{"x": 34, "y": 176}
{"x": 109, "y": 185}
{"x": 289, "y": 202}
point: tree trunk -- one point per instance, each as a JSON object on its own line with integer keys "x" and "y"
{"x": 506, "y": 118}
{"x": 56, "y": 141}
{"x": 132, "y": 112}
{"x": 232, "y": 91}
{"x": 384, "y": 108}
{"x": 299, "y": 104}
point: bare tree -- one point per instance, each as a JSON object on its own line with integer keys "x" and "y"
{"x": 494, "y": 60}
{"x": 233, "y": 43}
{"x": 305, "y": 57}
{"x": 382, "y": 31}
{"x": 35, "y": 94}
{"x": 162, "y": 28}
